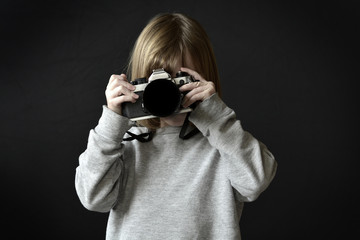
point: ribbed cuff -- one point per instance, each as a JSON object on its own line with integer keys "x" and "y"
{"x": 209, "y": 111}
{"x": 112, "y": 125}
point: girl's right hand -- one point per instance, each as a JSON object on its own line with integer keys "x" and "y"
{"x": 118, "y": 91}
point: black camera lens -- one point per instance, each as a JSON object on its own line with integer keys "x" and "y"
{"x": 161, "y": 97}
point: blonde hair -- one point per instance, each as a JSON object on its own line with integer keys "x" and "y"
{"x": 166, "y": 39}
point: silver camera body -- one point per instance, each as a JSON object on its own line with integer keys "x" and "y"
{"x": 159, "y": 96}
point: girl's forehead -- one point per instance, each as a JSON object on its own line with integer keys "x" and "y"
{"x": 181, "y": 61}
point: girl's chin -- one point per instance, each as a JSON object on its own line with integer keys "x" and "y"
{"x": 173, "y": 120}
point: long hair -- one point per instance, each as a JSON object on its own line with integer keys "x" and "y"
{"x": 166, "y": 39}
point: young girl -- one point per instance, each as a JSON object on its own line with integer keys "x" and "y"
{"x": 169, "y": 187}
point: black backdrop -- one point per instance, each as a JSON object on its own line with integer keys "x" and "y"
{"x": 287, "y": 69}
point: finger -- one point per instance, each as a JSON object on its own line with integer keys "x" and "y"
{"x": 197, "y": 94}
{"x": 121, "y": 86}
{"x": 117, "y": 80}
{"x": 113, "y": 82}
{"x": 195, "y": 98}
{"x": 120, "y": 100}
{"x": 114, "y": 79}
{"x": 195, "y": 90}
{"x": 193, "y": 73}
{"x": 121, "y": 90}
{"x": 122, "y": 81}
{"x": 115, "y": 76}
{"x": 190, "y": 86}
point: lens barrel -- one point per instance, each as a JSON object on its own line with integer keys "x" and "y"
{"x": 161, "y": 97}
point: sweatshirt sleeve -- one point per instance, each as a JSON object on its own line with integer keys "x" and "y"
{"x": 98, "y": 175}
{"x": 250, "y": 165}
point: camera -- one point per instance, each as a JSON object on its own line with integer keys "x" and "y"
{"x": 159, "y": 96}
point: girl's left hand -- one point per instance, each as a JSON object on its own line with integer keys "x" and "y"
{"x": 198, "y": 91}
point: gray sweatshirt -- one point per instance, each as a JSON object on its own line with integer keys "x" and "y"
{"x": 171, "y": 188}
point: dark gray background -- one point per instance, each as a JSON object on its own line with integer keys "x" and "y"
{"x": 288, "y": 69}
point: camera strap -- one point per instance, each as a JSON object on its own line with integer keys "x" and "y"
{"x": 147, "y": 137}
{"x": 144, "y": 137}
{"x": 184, "y": 128}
